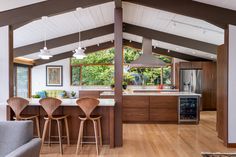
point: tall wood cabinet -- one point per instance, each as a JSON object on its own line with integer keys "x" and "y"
{"x": 209, "y": 82}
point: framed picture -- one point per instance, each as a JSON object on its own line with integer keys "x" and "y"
{"x": 54, "y": 75}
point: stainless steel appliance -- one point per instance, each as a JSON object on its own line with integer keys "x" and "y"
{"x": 191, "y": 81}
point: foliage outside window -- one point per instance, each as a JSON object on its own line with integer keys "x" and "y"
{"x": 98, "y": 69}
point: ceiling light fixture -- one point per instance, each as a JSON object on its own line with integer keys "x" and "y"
{"x": 45, "y": 53}
{"x": 79, "y": 52}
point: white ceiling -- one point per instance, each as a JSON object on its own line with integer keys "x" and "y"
{"x": 70, "y": 47}
{"x": 100, "y": 15}
{"x": 12, "y": 4}
{"x": 228, "y": 4}
{"x": 172, "y": 47}
{"x": 64, "y": 24}
{"x": 172, "y": 23}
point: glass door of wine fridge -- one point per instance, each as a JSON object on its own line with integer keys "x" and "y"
{"x": 188, "y": 109}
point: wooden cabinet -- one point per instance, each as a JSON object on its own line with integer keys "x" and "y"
{"x": 94, "y": 94}
{"x": 190, "y": 65}
{"x": 135, "y": 109}
{"x": 164, "y": 109}
{"x": 150, "y": 109}
{"x": 209, "y": 84}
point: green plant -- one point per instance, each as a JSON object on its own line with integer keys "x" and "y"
{"x": 73, "y": 94}
{"x": 36, "y": 96}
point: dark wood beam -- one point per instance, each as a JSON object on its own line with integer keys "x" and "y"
{"x": 69, "y": 54}
{"x": 170, "y": 38}
{"x": 118, "y": 29}
{"x": 165, "y": 52}
{"x": 118, "y": 3}
{"x": 46, "y": 8}
{"x": 213, "y": 14}
{"x": 61, "y": 41}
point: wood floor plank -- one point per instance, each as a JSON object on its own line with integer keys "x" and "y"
{"x": 157, "y": 140}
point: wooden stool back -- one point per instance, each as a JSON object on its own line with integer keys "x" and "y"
{"x": 87, "y": 105}
{"x": 50, "y": 105}
{"x": 17, "y": 104}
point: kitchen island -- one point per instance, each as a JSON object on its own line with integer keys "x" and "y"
{"x": 69, "y": 107}
{"x": 159, "y": 107}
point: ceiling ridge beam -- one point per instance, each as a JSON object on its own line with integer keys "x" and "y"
{"x": 45, "y": 8}
{"x": 64, "y": 40}
{"x": 170, "y": 38}
{"x": 165, "y": 52}
{"x": 218, "y": 16}
{"x": 68, "y": 54}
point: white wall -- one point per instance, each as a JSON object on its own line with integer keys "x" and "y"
{"x": 232, "y": 85}
{"x": 39, "y": 77}
{"x": 4, "y": 69}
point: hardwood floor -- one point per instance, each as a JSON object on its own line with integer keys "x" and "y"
{"x": 152, "y": 140}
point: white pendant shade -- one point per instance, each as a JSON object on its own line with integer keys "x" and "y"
{"x": 45, "y": 53}
{"x": 79, "y": 53}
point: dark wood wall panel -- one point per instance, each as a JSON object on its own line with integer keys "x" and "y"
{"x": 222, "y": 93}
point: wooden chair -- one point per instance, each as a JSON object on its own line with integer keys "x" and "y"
{"x": 88, "y": 105}
{"x": 50, "y": 105}
{"x": 18, "y": 104}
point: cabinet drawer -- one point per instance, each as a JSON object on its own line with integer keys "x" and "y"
{"x": 164, "y": 102}
{"x": 135, "y": 115}
{"x": 164, "y": 115}
{"x": 136, "y": 102}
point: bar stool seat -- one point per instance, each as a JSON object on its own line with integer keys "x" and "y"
{"x": 18, "y": 104}
{"x": 88, "y": 105}
{"x": 50, "y": 105}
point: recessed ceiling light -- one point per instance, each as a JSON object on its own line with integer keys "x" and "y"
{"x": 98, "y": 44}
{"x": 130, "y": 41}
{"x": 168, "y": 50}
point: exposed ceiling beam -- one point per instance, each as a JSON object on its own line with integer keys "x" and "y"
{"x": 46, "y": 8}
{"x": 170, "y": 38}
{"x": 118, "y": 3}
{"x": 165, "y": 52}
{"x": 109, "y": 44}
{"x": 212, "y": 14}
{"x": 61, "y": 41}
{"x": 69, "y": 54}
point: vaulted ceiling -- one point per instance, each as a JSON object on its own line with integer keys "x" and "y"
{"x": 195, "y": 37}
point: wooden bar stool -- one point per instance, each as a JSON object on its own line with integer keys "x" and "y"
{"x": 50, "y": 105}
{"x": 18, "y": 104}
{"x": 88, "y": 105}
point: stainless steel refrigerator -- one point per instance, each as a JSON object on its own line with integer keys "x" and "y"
{"x": 191, "y": 81}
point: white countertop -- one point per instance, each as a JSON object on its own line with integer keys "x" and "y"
{"x": 72, "y": 102}
{"x": 134, "y": 89}
{"x": 153, "y": 94}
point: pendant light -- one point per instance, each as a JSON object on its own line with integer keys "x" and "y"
{"x": 45, "y": 53}
{"x": 79, "y": 52}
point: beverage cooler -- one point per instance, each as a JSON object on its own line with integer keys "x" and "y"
{"x": 188, "y": 109}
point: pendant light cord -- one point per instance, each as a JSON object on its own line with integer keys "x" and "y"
{"x": 45, "y": 32}
{"x": 75, "y": 14}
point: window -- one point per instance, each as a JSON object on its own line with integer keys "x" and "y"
{"x": 21, "y": 81}
{"x": 98, "y": 69}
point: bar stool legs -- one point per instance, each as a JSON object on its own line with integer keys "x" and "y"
{"x": 37, "y": 125}
{"x": 67, "y": 131}
{"x": 59, "y": 135}
{"x": 97, "y": 134}
{"x": 100, "y": 131}
{"x": 80, "y": 141}
{"x": 45, "y": 130}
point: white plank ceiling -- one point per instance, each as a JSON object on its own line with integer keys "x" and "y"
{"x": 228, "y": 4}
{"x": 103, "y": 14}
{"x": 12, "y": 4}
